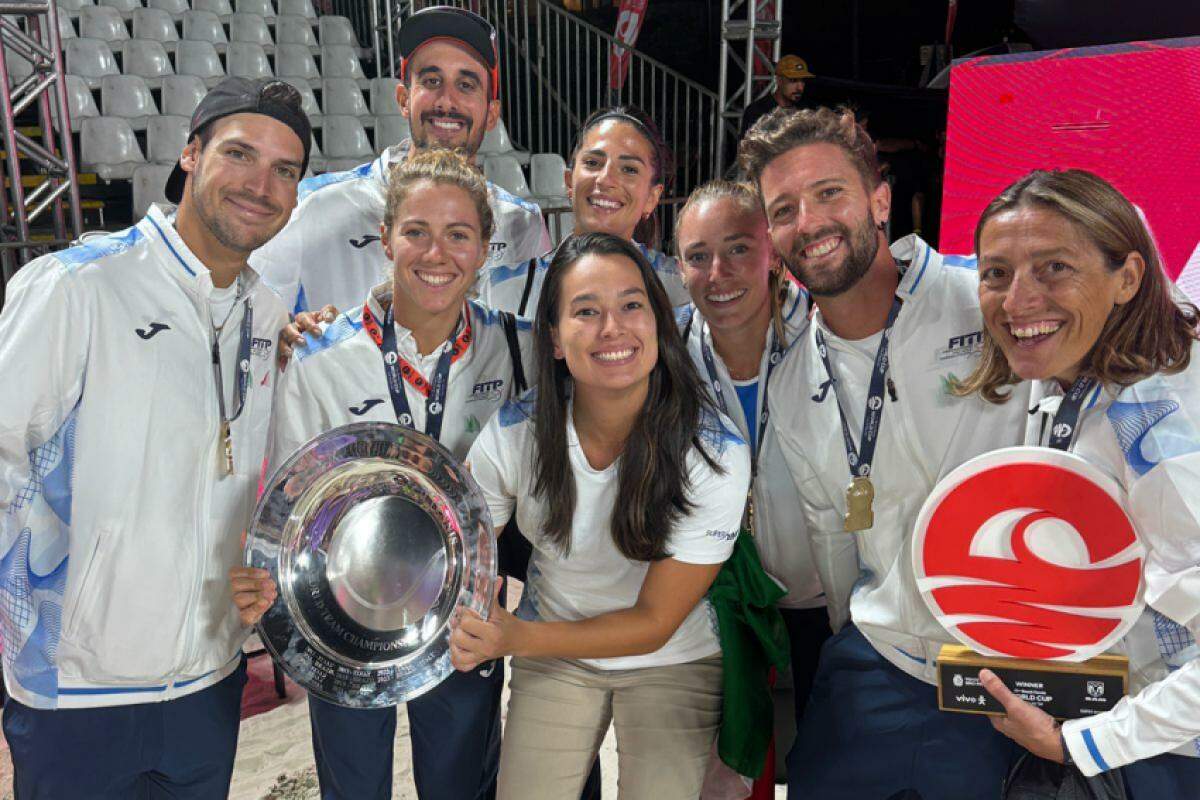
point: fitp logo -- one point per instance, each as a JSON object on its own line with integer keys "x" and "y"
{"x": 1028, "y": 552}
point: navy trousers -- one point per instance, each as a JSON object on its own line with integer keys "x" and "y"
{"x": 808, "y": 629}
{"x": 181, "y": 749}
{"x": 873, "y": 731}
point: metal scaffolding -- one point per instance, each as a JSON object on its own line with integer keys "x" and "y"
{"x": 750, "y": 47}
{"x": 31, "y": 76}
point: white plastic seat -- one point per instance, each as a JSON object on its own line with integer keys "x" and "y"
{"x": 546, "y": 177}
{"x": 204, "y": 26}
{"x": 199, "y": 59}
{"x": 181, "y": 94}
{"x": 175, "y": 8}
{"x": 155, "y": 24}
{"x": 129, "y": 97}
{"x": 333, "y": 30}
{"x": 102, "y": 22}
{"x": 296, "y": 61}
{"x": 341, "y": 61}
{"x": 248, "y": 61}
{"x": 308, "y": 100}
{"x": 147, "y": 59}
{"x": 346, "y": 142}
{"x": 251, "y": 28}
{"x": 261, "y": 7}
{"x": 561, "y": 226}
{"x": 295, "y": 29}
{"x": 221, "y": 8}
{"x": 124, "y": 7}
{"x": 73, "y": 7}
{"x": 390, "y": 129}
{"x": 80, "y": 103}
{"x": 66, "y": 28}
{"x": 109, "y": 148}
{"x": 166, "y": 137}
{"x": 497, "y": 142}
{"x": 303, "y": 8}
{"x": 383, "y": 96}
{"x": 504, "y": 170}
{"x": 342, "y": 96}
{"x": 316, "y": 159}
{"x": 149, "y": 186}
{"x": 18, "y": 68}
{"x": 90, "y": 59}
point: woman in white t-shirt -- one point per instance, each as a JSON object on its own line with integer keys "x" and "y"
{"x": 631, "y": 487}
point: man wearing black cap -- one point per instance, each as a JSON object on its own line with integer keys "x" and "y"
{"x": 130, "y": 451}
{"x": 330, "y": 253}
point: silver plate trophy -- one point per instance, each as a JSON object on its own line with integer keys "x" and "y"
{"x": 377, "y": 538}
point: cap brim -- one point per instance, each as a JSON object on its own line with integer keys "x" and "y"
{"x": 174, "y": 187}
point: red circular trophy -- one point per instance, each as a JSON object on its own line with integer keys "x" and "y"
{"x": 1027, "y": 556}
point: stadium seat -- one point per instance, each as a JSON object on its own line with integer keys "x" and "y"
{"x": 149, "y": 186}
{"x": 561, "y": 226}
{"x": 336, "y": 30}
{"x": 109, "y": 148}
{"x": 342, "y": 96}
{"x": 346, "y": 143}
{"x": 316, "y": 159}
{"x": 341, "y": 61}
{"x": 383, "y": 96}
{"x": 294, "y": 29}
{"x": 90, "y": 59}
{"x": 175, "y": 8}
{"x": 200, "y": 59}
{"x": 165, "y": 139}
{"x": 147, "y": 59}
{"x": 18, "y": 68}
{"x": 102, "y": 22}
{"x": 296, "y": 61}
{"x": 390, "y": 129}
{"x": 261, "y": 7}
{"x": 497, "y": 142}
{"x": 221, "y": 8}
{"x": 156, "y": 24}
{"x": 204, "y": 26}
{"x": 181, "y": 94}
{"x": 504, "y": 170}
{"x": 309, "y": 100}
{"x": 124, "y": 7}
{"x": 66, "y": 28}
{"x": 127, "y": 96}
{"x": 251, "y": 28}
{"x": 546, "y": 171}
{"x": 72, "y": 7}
{"x": 301, "y": 7}
{"x": 80, "y": 103}
{"x": 248, "y": 61}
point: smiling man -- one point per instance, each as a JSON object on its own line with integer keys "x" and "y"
{"x": 868, "y": 426}
{"x": 330, "y": 253}
{"x": 130, "y": 449}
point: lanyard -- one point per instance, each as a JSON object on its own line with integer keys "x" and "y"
{"x": 398, "y": 371}
{"x": 772, "y": 361}
{"x": 1062, "y": 432}
{"x": 243, "y": 380}
{"x": 861, "y": 457}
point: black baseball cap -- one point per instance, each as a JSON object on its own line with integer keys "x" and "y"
{"x": 269, "y": 96}
{"x": 447, "y": 22}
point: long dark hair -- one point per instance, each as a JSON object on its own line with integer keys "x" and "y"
{"x": 652, "y": 479}
{"x": 663, "y": 166}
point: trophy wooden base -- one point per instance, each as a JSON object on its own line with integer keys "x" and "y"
{"x": 1063, "y": 690}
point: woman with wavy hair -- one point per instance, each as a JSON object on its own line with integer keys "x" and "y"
{"x": 631, "y": 488}
{"x": 1075, "y": 300}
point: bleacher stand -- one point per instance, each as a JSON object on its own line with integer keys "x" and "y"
{"x": 155, "y": 24}
{"x": 166, "y": 136}
{"x": 204, "y": 26}
{"x": 335, "y": 31}
{"x": 90, "y": 59}
{"x": 308, "y": 98}
{"x": 389, "y": 129}
{"x": 102, "y": 22}
{"x": 296, "y": 29}
{"x": 149, "y": 181}
{"x": 346, "y": 142}
{"x": 109, "y": 148}
{"x": 200, "y": 59}
{"x": 248, "y": 60}
{"x": 504, "y": 170}
{"x": 148, "y": 59}
{"x": 127, "y": 96}
{"x": 342, "y": 96}
{"x": 296, "y": 61}
{"x": 383, "y": 96}
{"x": 181, "y": 94}
{"x": 251, "y": 28}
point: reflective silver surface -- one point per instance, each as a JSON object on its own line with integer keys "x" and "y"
{"x": 376, "y": 538}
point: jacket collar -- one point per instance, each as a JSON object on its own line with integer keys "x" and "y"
{"x": 924, "y": 266}
{"x": 178, "y": 259}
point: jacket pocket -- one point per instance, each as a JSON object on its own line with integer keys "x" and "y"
{"x": 75, "y": 604}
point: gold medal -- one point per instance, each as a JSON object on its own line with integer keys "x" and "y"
{"x": 860, "y": 495}
{"x": 226, "y": 448}
{"x": 748, "y": 514}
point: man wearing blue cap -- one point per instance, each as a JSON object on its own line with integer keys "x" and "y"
{"x": 130, "y": 450}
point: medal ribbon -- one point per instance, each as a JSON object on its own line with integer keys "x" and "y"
{"x": 243, "y": 378}
{"x": 1062, "y": 432}
{"x": 399, "y": 371}
{"x": 860, "y": 458}
{"x": 772, "y": 361}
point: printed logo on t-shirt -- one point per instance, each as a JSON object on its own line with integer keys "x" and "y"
{"x": 487, "y": 390}
{"x": 260, "y": 348}
{"x": 723, "y": 536}
{"x": 496, "y": 249}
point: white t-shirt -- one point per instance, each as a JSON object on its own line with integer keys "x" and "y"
{"x": 852, "y": 361}
{"x": 595, "y": 578}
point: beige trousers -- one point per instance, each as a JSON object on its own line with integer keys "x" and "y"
{"x": 666, "y": 721}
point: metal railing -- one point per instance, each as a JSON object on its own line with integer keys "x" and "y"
{"x": 554, "y": 71}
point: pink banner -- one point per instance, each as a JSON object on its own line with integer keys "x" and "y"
{"x": 629, "y": 24}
